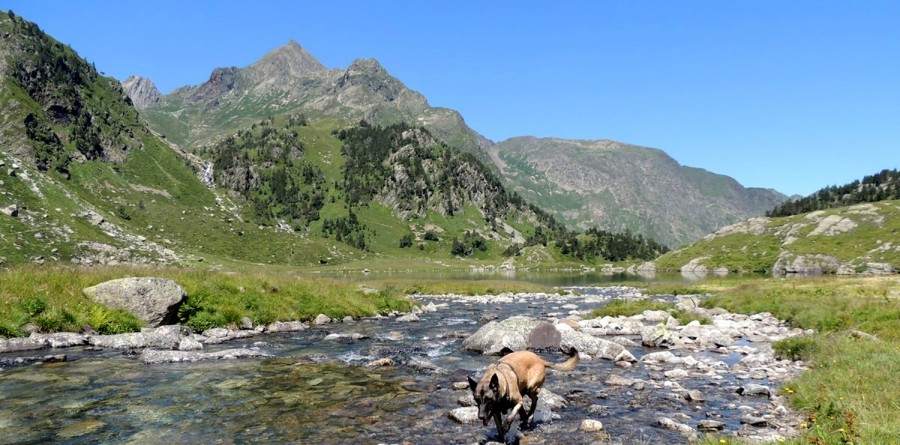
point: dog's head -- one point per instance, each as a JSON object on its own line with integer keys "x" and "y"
{"x": 487, "y": 395}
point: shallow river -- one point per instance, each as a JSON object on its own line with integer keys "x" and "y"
{"x": 309, "y": 394}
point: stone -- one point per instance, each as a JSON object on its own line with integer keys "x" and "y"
{"x": 246, "y": 323}
{"x": 544, "y": 336}
{"x": 617, "y": 380}
{"x": 656, "y": 337}
{"x": 189, "y": 344}
{"x": 590, "y": 345}
{"x": 657, "y": 357}
{"x": 286, "y": 326}
{"x": 153, "y": 300}
{"x": 11, "y": 210}
{"x": 61, "y": 339}
{"x": 459, "y": 386}
{"x": 151, "y": 356}
{"x": 670, "y": 424}
{"x": 590, "y": 425}
{"x": 380, "y": 362}
{"x": 710, "y": 425}
{"x": 464, "y": 415}
{"x": 322, "y": 319}
{"x": 496, "y": 337}
{"x": 570, "y": 323}
{"x": 408, "y": 318}
{"x": 467, "y": 399}
{"x": 753, "y": 389}
{"x": 163, "y": 337}
{"x": 677, "y": 373}
{"x": 754, "y": 421}
{"x": 694, "y": 396}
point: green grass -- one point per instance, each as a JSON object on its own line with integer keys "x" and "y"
{"x": 849, "y": 394}
{"x": 627, "y": 308}
{"x": 51, "y": 298}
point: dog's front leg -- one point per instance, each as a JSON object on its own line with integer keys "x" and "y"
{"x": 512, "y": 415}
{"x": 498, "y": 419}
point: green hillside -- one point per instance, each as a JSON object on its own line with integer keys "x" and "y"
{"x": 858, "y": 239}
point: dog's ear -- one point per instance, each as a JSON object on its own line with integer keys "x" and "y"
{"x": 472, "y": 384}
{"x": 495, "y": 383}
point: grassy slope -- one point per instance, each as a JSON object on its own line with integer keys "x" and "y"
{"x": 743, "y": 251}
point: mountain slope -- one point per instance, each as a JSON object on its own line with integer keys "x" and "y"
{"x": 290, "y": 80}
{"x": 625, "y": 187}
{"x": 878, "y": 187}
{"x": 857, "y": 239}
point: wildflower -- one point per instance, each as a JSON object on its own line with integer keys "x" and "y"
{"x": 803, "y": 425}
{"x": 841, "y": 430}
{"x": 723, "y": 441}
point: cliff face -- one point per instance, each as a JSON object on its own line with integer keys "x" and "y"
{"x": 622, "y": 187}
{"x": 141, "y": 91}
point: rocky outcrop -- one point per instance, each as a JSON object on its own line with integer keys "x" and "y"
{"x": 806, "y": 265}
{"x": 153, "y": 300}
{"x": 141, "y": 91}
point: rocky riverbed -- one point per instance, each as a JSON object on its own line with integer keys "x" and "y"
{"x": 642, "y": 379}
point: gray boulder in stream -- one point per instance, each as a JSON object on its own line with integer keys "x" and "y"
{"x": 499, "y": 337}
{"x": 155, "y": 356}
{"x": 153, "y": 300}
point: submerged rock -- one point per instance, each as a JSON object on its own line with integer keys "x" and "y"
{"x": 156, "y": 356}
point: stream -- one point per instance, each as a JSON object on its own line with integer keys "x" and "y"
{"x": 318, "y": 390}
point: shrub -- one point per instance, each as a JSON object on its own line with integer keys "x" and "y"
{"x": 800, "y": 347}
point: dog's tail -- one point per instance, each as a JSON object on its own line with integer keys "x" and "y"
{"x": 567, "y": 365}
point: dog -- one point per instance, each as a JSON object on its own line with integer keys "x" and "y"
{"x": 506, "y": 383}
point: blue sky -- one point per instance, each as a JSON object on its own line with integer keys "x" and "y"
{"x": 792, "y": 95}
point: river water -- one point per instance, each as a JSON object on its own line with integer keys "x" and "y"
{"x": 318, "y": 391}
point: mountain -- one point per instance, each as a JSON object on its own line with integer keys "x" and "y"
{"x": 857, "y": 239}
{"x": 84, "y": 181}
{"x": 141, "y": 91}
{"x": 290, "y": 80}
{"x": 622, "y": 187}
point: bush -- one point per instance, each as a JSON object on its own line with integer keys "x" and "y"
{"x": 33, "y": 306}
{"x": 800, "y": 347}
{"x": 431, "y": 236}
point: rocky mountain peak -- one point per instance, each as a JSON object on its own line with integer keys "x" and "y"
{"x": 141, "y": 90}
{"x": 288, "y": 61}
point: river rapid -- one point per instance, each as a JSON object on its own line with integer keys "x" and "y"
{"x": 320, "y": 387}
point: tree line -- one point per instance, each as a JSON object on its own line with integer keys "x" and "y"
{"x": 881, "y": 186}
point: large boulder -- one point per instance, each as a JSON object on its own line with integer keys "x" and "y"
{"x": 496, "y": 338}
{"x": 593, "y": 346}
{"x": 153, "y": 300}
{"x": 544, "y": 337}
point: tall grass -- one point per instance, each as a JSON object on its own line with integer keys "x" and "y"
{"x": 51, "y": 298}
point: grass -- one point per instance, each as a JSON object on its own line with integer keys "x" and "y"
{"x": 628, "y": 308}
{"x": 51, "y": 298}
{"x": 849, "y": 394}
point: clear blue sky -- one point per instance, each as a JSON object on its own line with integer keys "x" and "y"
{"x": 792, "y": 95}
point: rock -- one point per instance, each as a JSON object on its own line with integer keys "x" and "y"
{"x": 54, "y": 358}
{"x": 496, "y": 337}
{"x": 684, "y": 430}
{"x": 617, "y": 380}
{"x": 710, "y": 425}
{"x": 347, "y": 319}
{"x": 22, "y": 344}
{"x": 677, "y": 373}
{"x": 322, "y": 319}
{"x": 286, "y": 326}
{"x": 655, "y": 316}
{"x": 467, "y": 414}
{"x": 658, "y": 357}
{"x": 694, "y": 396}
{"x": 570, "y": 323}
{"x": 189, "y": 344}
{"x": 163, "y": 337}
{"x": 11, "y": 210}
{"x": 656, "y": 337}
{"x": 246, "y": 323}
{"x": 150, "y": 356}
{"x": 593, "y": 346}
{"x": 590, "y": 425}
{"x": 754, "y": 421}
{"x": 153, "y": 300}
{"x": 753, "y": 389}
{"x": 408, "y": 318}
{"x": 544, "y": 336}
{"x": 459, "y": 386}
{"x": 467, "y": 399}
{"x": 61, "y": 339}
{"x": 380, "y": 362}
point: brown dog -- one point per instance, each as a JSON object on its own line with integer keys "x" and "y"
{"x": 505, "y": 383}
